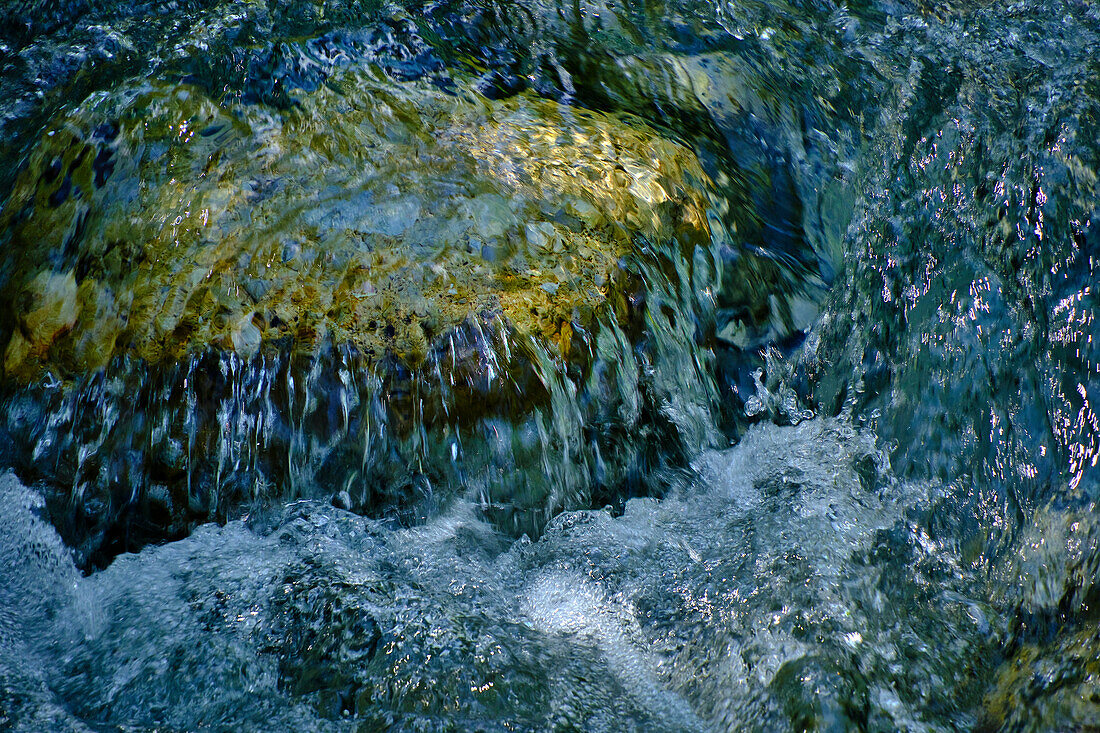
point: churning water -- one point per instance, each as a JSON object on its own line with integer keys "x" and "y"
{"x": 541, "y": 365}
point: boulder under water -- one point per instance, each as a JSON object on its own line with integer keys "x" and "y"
{"x": 538, "y": 366}
{"x": 333, "y": 295}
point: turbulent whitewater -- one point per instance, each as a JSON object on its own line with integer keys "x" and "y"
{"x": 549, "y": 366}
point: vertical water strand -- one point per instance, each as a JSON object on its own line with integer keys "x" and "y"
{"x": 63, "y": 435}
{"x": 302, "y": 406}
{"x": 42, "y": 435}
{"x": 418, "y": 437}
{"x": 107, "y": 408}
{"x": 448, "y": 418}
{"x": 191, "y": 427}
{"x": 264, "y": 369}
{"x": 560, "y": 429}
{"x": 288, "y": 412}
{"x": 612, "y": 392}
{"x": 373, "y": 422}
{"x": 237, "y": 418}
{"x": 447, "y": 398}
{"x": 350, "y": 400}
{"x": 227, "y": 415}
{"x": 682, "y": 381}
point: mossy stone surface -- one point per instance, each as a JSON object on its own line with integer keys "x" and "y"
{"x": 389, "y": 294}
{"x": 375, "y": 214}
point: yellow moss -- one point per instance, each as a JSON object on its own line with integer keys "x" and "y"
{"x": 16, "y": 355}
{"x": 1025, "y": 695}
{"x": 374, "y": 213}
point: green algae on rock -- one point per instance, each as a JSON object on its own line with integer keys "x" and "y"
{"x": 375, "y": 218}
{"x": 1023, "y": 697}
{"x": 388, "y": 293}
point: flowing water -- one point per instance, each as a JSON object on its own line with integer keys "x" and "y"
{"x": 538, "y": 365}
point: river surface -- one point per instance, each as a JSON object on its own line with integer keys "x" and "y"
{"x": 531, "y": 365}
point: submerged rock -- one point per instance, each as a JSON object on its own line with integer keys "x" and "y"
{"x": 1050, "y": 585}
{"x": 383, "y": 293}
{"x": 372, "y": 215}
{"x": 353, "y": 254}
{"x": 1052, "y": 686}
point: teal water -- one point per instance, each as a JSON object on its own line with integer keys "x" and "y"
{"x": 813, "y": 447}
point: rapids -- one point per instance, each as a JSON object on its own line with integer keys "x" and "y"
{"x": 531, "y": 365}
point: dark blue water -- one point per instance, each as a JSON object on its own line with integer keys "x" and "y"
{"x": 549, "y": 366}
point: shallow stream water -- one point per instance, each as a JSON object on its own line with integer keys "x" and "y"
{"x": 549, "y": 366}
